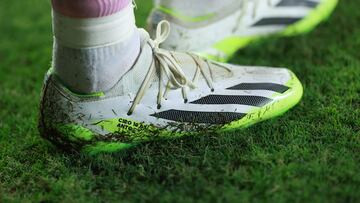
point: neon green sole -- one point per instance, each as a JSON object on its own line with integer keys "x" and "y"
{"x": 320, "y": 14}
{"x": 230, "y": 45}
{"x": 77, "y": 138}
{"x": 272, "y": 110}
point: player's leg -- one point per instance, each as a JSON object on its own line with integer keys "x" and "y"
{"x": 96, "y": 42}
{"x": 112, "y": 86}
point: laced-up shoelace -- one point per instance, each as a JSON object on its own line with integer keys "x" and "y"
{"x": 244, "y": 9}
{"x": 165, "y": 63}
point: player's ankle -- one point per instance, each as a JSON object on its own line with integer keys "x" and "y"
{"x": 92, "y": 53}
{"x": 88, "y": 8}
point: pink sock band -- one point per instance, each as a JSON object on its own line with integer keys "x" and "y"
{"x": 88, "y": 8}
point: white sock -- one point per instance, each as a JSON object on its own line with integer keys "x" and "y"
{"x": 91, "y": 54}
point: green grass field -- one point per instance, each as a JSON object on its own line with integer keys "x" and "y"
{"x": 311, "y": 154}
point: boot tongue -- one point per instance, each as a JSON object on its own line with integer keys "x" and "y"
{"x": 131, "y": 81}
{"x": 144, "y": 36}
{"x": 134, "y": 78}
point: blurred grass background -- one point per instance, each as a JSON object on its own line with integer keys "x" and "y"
{"x": 312, "y": 154}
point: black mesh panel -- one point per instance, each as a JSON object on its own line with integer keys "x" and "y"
{"x": 234, "y": 99}
{"x": 305, "y": 3}
{"x": 199, "y": 117}
{"x": 277, "y": 21}
{"x": 260, "y": 86}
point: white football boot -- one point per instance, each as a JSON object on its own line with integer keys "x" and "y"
{"x": 219, "y": 35}
{"x": 166, "y": 94}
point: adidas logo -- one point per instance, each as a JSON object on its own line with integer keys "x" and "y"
{"x": 223, "y": 117}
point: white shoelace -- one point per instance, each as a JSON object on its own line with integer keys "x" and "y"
{"x": 165, "y": 63}
{"x": 244, "y": 9}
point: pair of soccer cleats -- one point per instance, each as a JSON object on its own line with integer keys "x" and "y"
{"x": 168, "y": 94}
